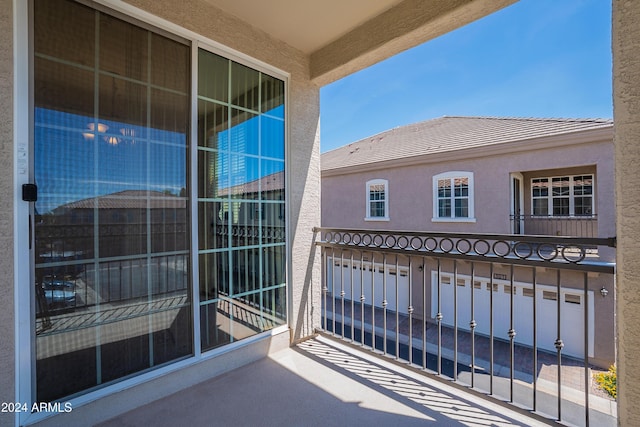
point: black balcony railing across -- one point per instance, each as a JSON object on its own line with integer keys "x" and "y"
{"x": 491, "y": 311}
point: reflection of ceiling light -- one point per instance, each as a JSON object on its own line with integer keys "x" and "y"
{"x": 129, "y": 133}
{"x": 102, "y": 128}
{"x": 112, "y": 140}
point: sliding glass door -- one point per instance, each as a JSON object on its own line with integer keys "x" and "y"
{"x": 114, "y": 242}
{"x": 112, "y": 236}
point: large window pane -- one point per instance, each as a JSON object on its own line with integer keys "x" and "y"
{"x": 241, "y": 191}
{"x": 112, "y": 237}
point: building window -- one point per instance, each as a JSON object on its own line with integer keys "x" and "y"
{"x": 562, "y": 196}
{"x": 377, "y": 200}
{"x": 453, "y": 197}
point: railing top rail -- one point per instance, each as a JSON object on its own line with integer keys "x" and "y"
{"x": 544, "y": 251}
{"x": 565, "y": 240}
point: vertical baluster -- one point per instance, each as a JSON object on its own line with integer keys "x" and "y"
{"x": 472, "y": 326}
{"x": 353, "y": 296}
{"x": 455, "y": 320}
{"x": 491, "y": 328}
{"x": 410, "y": 311}
{"x": 325, "y": 288}
{"x": 439, "y": 319}
{"x": 535, "y": 341}
{"x": 424, "y": 313}
{"x": 333, "y": 295}
{"x": 384, "y": 303}
{"x": 373, "y": 302}
{"x": 585, "y": 308}
{"x": 362, "y": 325}
{"x": 559, "y": 344}
{"x": 397, "y": 309}
{"x": 342, "y": 293}
{"x": 512, "y": 335}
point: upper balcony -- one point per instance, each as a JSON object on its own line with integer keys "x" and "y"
{"x": 538, "y": 225}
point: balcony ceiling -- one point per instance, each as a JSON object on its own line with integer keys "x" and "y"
{"x": 344, "y": 36}
{"x": 303, "y": 24}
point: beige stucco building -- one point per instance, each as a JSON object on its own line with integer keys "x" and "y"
{"x": 100, "y": 97}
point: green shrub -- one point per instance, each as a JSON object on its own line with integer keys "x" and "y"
{"x": 608, "y": 381}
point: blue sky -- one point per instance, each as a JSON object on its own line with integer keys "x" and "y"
{"x": 536, "y": 58}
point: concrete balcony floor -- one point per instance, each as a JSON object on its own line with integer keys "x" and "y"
{"x": 321, "y": 382}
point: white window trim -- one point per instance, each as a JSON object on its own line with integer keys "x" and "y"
{"x": 571, "y": 196}
{"x": 450, "y": 175}
{"x": 371, "y": 182}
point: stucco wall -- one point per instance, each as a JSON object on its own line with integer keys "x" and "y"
{"x": 626, "y": 113}
{"x": 411, "y": 192}
{"x": 7, "y": 339}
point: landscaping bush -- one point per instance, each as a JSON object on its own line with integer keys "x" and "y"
{"x": 608, "y": 381}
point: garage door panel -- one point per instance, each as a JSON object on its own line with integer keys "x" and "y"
{"x": 571, "y": 302}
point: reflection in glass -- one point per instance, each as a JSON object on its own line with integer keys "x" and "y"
{"x": 272, "y": 96}
{"x": 215, "y": 324}
{"x": 243, "y": 182}
{"x": 243, "y": 134}
{"x": 241, "y": 171}
{"x": 111, "y": 223}
{"x": 213, "y": 76}
{"x": 212, "y": 125}
{"x": 272, "y": 132}
{"x": 214, "y": 225}
{"x": 244, "y": 86}
{"x": 214, "y": 275}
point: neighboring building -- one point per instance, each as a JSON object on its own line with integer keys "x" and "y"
{"x": 487, "y": 175}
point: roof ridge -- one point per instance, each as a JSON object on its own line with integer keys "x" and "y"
{"x": 536, "y": 119}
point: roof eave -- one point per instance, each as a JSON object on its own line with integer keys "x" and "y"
{"x": 587, "y": 136}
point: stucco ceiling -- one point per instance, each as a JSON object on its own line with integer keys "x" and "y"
{"x": 306, "y": 25}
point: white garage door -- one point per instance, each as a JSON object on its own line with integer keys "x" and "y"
{"x": 571, "y": 314}
{"x": 343, "y": 275}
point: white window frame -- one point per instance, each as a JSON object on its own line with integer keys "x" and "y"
{"x": 452, "y": 175}
{"x": 572, "y": 196}
{"x": 371, "y": 183}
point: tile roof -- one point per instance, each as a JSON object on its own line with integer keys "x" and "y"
{"x": 272, "y": 182}
{"x": 130, "y": 199}
{"x": 451, "y": 133}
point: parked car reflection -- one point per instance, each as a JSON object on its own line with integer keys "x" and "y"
{"x": 59, "y": 293}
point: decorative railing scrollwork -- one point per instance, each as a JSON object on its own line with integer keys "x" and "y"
{"x": 507, "y": 248}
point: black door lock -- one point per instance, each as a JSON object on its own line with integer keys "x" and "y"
{"x": 29, "y": 192}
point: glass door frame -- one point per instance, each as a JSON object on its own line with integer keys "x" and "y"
{"x": 23, "y": 168}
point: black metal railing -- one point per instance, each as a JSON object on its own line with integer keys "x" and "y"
{"x": 474, "y": 307}
{"x": 576, "y": 226}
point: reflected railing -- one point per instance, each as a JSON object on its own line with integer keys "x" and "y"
{"x": 69, "y": 290}
{"x": 510, "y": 315}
